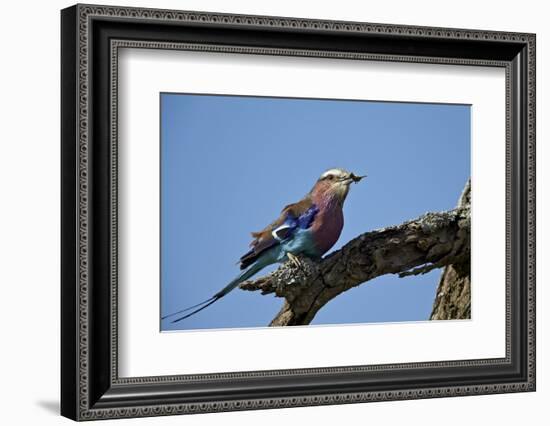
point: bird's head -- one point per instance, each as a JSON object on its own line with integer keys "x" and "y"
{"x": 335, "y": 183}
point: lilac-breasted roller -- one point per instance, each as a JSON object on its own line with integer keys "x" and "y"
{"x": 309, "y": 227}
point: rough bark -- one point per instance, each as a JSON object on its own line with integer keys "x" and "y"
{"x": 453, "y": 297}
{"x": 433, "y": 240}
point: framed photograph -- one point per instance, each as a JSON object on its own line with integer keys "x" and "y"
{"x": 263, "y": 212}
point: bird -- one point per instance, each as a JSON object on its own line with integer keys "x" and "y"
{"x": 308, "y": 228}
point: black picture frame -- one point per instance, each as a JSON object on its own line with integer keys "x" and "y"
{"x": 90, "y": 386}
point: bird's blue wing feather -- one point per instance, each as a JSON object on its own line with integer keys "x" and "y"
{"x": 305, "y": 220}
{"x": 293, "y": 217}
{"x": 292, "y": 223}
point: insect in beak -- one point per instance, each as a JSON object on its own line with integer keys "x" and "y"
{"x": 356, "y": 179}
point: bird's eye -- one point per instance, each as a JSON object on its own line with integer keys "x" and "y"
{"x": 330, "y": 177}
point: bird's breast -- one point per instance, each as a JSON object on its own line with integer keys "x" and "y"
{"x": 327, "y": 227}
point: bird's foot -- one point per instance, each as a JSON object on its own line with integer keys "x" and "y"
{"x": 295, "y": 261}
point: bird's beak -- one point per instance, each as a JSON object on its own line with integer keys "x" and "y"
{"x": 356, "y": 179}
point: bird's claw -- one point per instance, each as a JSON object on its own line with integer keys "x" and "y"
{"x": 295, "y": 261}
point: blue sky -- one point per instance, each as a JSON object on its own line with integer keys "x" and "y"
{"x": 230, "y": 163}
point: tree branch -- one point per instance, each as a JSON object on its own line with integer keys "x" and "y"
{"x": 434, "y": 240}
{"x": 453, "y": 296}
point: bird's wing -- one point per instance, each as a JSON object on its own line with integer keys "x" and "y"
{"x": 293, "y": 215}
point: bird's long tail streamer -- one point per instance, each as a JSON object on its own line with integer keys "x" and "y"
{"x": 187, "y": 309}
{"x": 243, "y": 276}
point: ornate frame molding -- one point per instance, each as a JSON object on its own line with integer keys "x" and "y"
{"x": 78, "y": 24}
